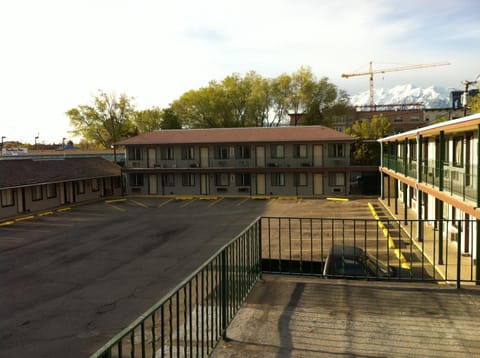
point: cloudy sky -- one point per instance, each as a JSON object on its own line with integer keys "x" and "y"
{"x": 56, "y": 54}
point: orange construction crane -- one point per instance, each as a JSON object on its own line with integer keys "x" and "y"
{"x": 371, "y": 72}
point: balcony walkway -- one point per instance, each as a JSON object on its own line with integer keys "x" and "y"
{"x": 287, "y": 316}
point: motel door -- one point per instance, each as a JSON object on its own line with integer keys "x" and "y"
{"x": 318, "y": 155}
{"x": 318, "y": 184}
{"x": 260, "y": 184}
{"x": 204, "y": 157}
{"x": 151, "y": 157}
{"x": 260, "y": 156}
{"x": 152, "y": 184}
{"x": 204, "y": 184}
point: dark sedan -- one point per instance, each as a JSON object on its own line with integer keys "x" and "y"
{"x": 352, "y": 261}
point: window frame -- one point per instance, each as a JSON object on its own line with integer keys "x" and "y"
{"x": 278, "y": 179}
{"x": 277, "y": 151}
{"x": 7, "y": 201}
{"x": 297, "y": 151}
{"x": 37, "y": 192}
{"x": 188, "y": 179}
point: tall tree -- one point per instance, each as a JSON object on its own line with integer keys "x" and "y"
{"x": 106, "y": 121}
{"x": 366, "y": 150}
{"x": 475, "y": 104}
{"x": 148, "y": 120}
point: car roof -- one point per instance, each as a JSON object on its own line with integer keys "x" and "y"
{"x": 347, "y": 251}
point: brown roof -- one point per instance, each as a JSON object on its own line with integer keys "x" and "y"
{"x": 239, "y": 135}
{"x": 25, "y": 172}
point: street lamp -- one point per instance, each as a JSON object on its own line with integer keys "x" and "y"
{"x": 3, "y": 137}
{"x": 63, "y": 143}
{"x": 465, "y": 93}
{"x": 36, "y": 142}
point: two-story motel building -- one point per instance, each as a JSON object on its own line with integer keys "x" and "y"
{"x": 434, "y": 171}
{"x": 299, "y": 161}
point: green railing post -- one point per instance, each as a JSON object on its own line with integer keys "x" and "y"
{"x": 224, "y": 285}
{"x": 477, "y": 266}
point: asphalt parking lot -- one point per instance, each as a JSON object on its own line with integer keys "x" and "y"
{"x": 74, "y": 278}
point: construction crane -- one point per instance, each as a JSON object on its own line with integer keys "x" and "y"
{"x": 371, "y": 72}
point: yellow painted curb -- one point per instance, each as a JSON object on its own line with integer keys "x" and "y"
{"x": 24, "y": 218}
{"x": 61, "y": 210}
{"x": 260, "y": 197}
{"x": 287, "y": 198}
{"x": 5, "y": 223}
{"x": 46, "y": 213}
{"x": 337, "y": 199}
{"x": 403, "y": 260}
{"x": 115, "y": 201}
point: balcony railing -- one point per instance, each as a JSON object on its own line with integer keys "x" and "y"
{"x": 191, "y": 319}
{"x": 459, "y": 180}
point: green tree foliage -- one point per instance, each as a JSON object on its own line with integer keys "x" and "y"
{"x": 170, "y": 120}
{"x": 252, "y": 100}
{"x": 475, "y": 104}
{"x": 148, "y": 120}
{"x": 366, "y": 151}
{"x": 106, "y": 121}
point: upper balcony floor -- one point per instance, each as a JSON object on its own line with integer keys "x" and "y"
{"x": 277, "y": 155}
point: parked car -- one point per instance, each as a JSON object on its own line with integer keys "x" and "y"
{"x": 352, "y": 261}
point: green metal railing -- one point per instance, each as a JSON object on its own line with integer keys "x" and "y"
{"x": 418, "y": 250}
{"x": 191, "y": 319}
{"x": 458, "y": 180}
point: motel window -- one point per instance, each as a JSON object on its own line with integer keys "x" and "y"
{"x": 398, "y": 119}
{"x": 336, "y": 150}
{"x": 278, "y": 179}
{"x": 169, "y": 180}
{"x": 277, "y": 151}
{"x": 37, "y": 193}
{"x": 80, "y": 186}
{"x": 300, "y": 179}
{"x": 221, "y": 152}
{"x": 7, "y": 197}
{"x": 243, "y": 179}
{"x": 222, "y": 179}
{"x": 188, "y": 179}
{"x": 414, "y": 119}
{"x": 136, "y": 179}
{"x": 95, "y": 185}
{"x": 242, "y": 152}
{"x": 300, "y": 151}
{"x": 135, "y": 153}
{"x": 51, "y": 191}
{"x": 336, "y": 179}
{"x": 167, "y": 153}
{"x": 188, "y": 153}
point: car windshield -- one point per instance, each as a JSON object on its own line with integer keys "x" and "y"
{"x": 375, "y": 267}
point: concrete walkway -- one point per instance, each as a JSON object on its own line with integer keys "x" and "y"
{"x": 288, "y": 316}
{"x": 428, "y": 243}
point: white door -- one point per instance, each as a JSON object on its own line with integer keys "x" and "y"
{"x": 318, "y": 184}
{"x": 204, "y": 184}
{"x": 152, "y": 160}
{"x": 204, "y": 157}
{"x": 318, "y": 155}
{"x": 260, "y": 156}
{"x": 260, "y": 184}
{"x": 152, "y": 184}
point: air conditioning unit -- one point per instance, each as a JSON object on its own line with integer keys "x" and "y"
{"x": 337, "y": 190}
{"x": 136, "y": 164}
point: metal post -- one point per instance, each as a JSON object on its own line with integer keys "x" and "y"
{"x": 418, "y": 192}
{"x": 382, "y": 193}
{"x": 440, "y": 203}
{"x": 396, "y": 196}
{"x": 477, "y": 255}
{"x": 224, "y": 281}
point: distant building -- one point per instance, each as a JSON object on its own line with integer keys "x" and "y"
{"x": 32, "y": 185}
{"x": 293, "y": 161}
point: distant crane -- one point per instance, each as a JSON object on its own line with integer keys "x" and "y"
{"x": 371, "y": 72}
